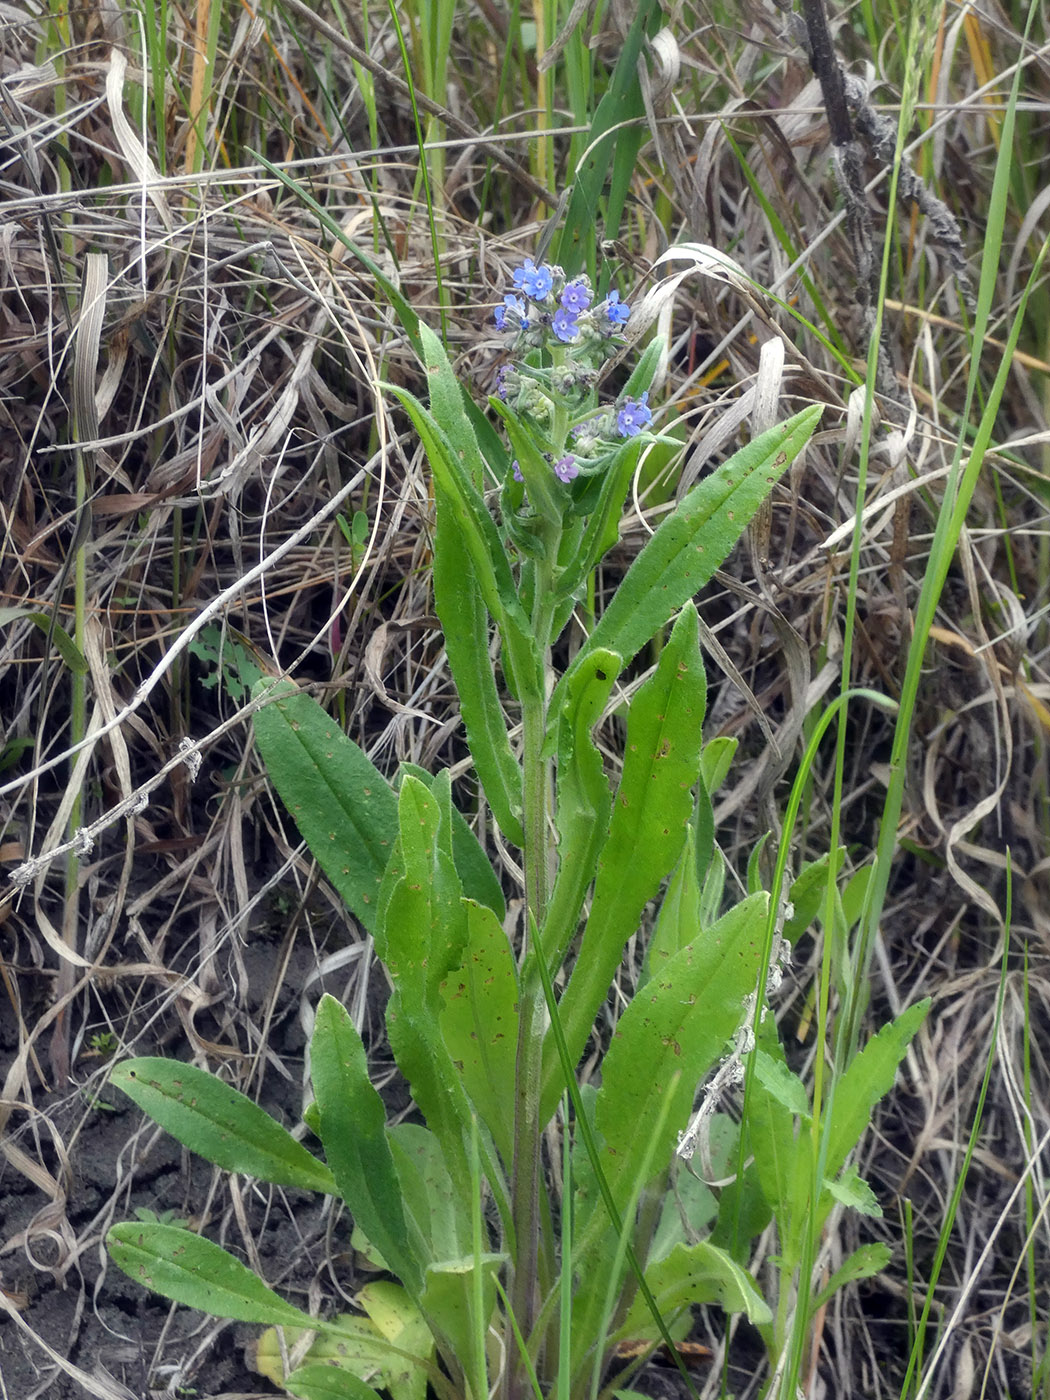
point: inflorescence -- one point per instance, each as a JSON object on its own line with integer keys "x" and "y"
{"x": 560, "y": 340}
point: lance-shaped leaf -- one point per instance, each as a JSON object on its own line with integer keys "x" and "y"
{"x": 182, "y": 1266}
{"x": 869, "y": 1077}
{"x": 392, "y": 1347}
{"x": 343, "y": 806}
{"x": 546, "y": 494}
{"x": 456, "y": 462}
{"x": 449, "y": 1299}
{"x": 778, "y": 1110}
{"x": 453, "y": 476}
{"x": 602, "y": 529}
{"x": 353, "y": 1130}
{"x": 319, "y": 1381}
{"x": 584, "y": 800}
{"x": 219, "y": 1123}
{"x": 424, "y": 927}
{"x": 692, "y": 542}
{"x": 677, "y": 1024}
{"x": 473, "y": 866}
{"x": 465, "y": 625}
{"x": 440, "y": 1208}
{"x": 421, "y": 939}
{"x": 679, "y": 916}
{"x": 865, "y": 1262}
{"x": 697, "y": 1273}
{"x": 650, "y": 814}
{"x": 479, "y": 1023}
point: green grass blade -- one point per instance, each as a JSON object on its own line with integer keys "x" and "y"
{"x": 611, "y": 149}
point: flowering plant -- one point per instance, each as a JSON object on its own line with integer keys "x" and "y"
{"x": 504, "y": 1282}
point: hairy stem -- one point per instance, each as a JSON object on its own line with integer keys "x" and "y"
{"x": 532, "y": 1009}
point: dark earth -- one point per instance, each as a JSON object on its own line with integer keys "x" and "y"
{"x": 134, "y": 1343}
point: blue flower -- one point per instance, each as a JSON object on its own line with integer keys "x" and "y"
{"x": 576, "y": 297}
{"x": 616, "y": 310}
{"x": 514, "y": 308}
{"x": 534, "y": 281}
{"x": 564, "y": 325}
{"x": 634, "y": 415}
{"x": 516, "y": 470}
{"x": 565, "y": 469}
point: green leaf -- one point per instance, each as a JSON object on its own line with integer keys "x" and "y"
{"x": 402, "y": 1325}
{"x": 693, "y": 541}
{"x": 612, "y": 147}
{"x": 650, "y": 814}
{"x": 480, "y": 881}
{"x": 712, "y": 889}
{"x": 464, "y": 618}
{"x": 448, "y": 408}
{"x": 353, "y": 1130}
{"x": 690, "y": 1205}
{"x": 392, "y": 1348}
{"x": 854, "y": 895}
{"x": 755, "y": 880}
{"x": 584, "y": 800}
{"x": 642, "y": 376}
{"x": 219, "y": 1123}
{"x": 716, "y": 761}
{"x": 440, "y": 1211}
{"x": 457, "y": 464}
{"x": 702, "y": 848}
{"x": 869, "y": 1077}
{"x": 448, "y": 1300}
{"x": 864, "y": 1262}
{"x": 63, "y": 643}
{"x": 546, "y": 494}
{"x": 777, "y": 1104}
{"x": 743, "y": 1213}
{"x": 853, "y": 1191}
{"x": 677, "y": 1025}
{"x": 188, "y": 1269}
{"x": 322, "y": 1381}
{"x": 785, "y": 1087}
{"x": 424, "y": 926}
{"x": 679, "y": 916}
{"x": 807, "y": 895}
{"x": 692, "y": 1274}
{"x": 343, "y": 806}
{"x": 454, "y": 474}
{"x": 602, "y": 529}
{"x": 472, "y": 581}
{"x": 422, "y": 938}
{"x": 479, "y": 1023}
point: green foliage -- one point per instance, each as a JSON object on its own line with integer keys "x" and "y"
{"x": 487, "y": 1045}
{"x": 222, "y": 1124}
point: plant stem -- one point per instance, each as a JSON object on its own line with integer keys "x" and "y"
{"x": 532, "y": 1008}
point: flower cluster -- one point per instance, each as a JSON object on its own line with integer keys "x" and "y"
{"x": 547, "y": 304}
{"x": 561, "y": 337}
